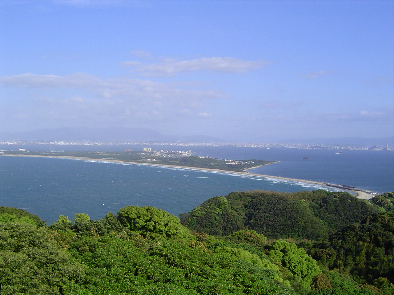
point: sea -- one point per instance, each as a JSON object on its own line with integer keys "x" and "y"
{"x": 50, "y": 187}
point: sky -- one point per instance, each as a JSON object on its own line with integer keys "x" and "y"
{"x": 245, "y": 71}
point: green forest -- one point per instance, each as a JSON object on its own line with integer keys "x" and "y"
{"x": 256, "y": 242}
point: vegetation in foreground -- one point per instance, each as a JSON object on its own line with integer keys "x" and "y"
{"x": 144, "y": 250}
{"x": 302, "y": 215}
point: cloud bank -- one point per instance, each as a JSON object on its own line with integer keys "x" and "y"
{"x": 168, "y": 67}
{"x": 123, "y": 99}
{"x": 108, "y": 88}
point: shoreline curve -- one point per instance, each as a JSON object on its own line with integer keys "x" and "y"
{"x": 358, "y": 193}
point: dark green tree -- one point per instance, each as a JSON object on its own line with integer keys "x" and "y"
{"x": 31, "y": 262}
{"x": 295, "y": 259}
{"x": 150, "y": 221}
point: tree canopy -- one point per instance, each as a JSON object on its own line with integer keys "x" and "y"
{"x": 310, "y": 215}
{"x": 145, "y": 250}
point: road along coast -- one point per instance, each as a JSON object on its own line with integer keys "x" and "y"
{"x": 358, "y": 193}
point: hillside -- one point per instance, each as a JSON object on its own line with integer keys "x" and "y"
{"x": 144, "y": 250}
{"x": 365, "y": 249}
{"x": 139, "y": 251}
{"x": 303, "y": 215}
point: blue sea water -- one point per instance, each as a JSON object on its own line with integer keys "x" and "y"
{"x": 52, "y": 187}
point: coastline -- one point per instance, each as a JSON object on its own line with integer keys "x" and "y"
{"x": 358, "y": 193}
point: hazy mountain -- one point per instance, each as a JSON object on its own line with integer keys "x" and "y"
{"x": 89, "y": 134}
{"x": 112, "y": 134}
{"x": 123, "y": 134}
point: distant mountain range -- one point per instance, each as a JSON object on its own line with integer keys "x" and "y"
{"x": 113, "y": 134}
{"x": 123, "y": 134}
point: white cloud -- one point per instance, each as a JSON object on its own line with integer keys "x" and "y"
{"x": 50, "y": 81}
{"x": 131, "y": 63}
{"x": 317, "y": 74}
{"x": 293, "y": 116}
{"x": 371, "y": 116}
{"x": 109, "y": 87}
{"x": 204, "y": 115}
{"x": 112, "y": 98}
{"x": 141, "y": 54}
{"x": 383, "y": 114}
{"x": 212, "y": 64}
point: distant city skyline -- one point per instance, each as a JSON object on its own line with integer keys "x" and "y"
{"x": 129, "y": 136}
{"x": 243, "y": 71}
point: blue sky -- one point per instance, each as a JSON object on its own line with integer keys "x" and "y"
{"x": 252, "y": 71}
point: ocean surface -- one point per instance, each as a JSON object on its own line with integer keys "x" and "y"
{"x": 51, "y": 187}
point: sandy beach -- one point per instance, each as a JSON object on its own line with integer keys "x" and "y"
{"x": 358, "y": 193}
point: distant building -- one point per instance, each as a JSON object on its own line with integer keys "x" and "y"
{"x": 147, "y": 150}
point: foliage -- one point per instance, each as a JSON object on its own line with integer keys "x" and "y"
{"x": 343, "y": 284}
{"x": 32, "y": 263}
{"x": 128, "y": 258}
{"x": 276, "y": 215}
{"x": 365, "y": 250}
{"x": 150, "y": 221}
{"x": 295, "y": 259}
{"x": 248, "y": 236}
{"x": 63, "y": 223}
{"x": 145, "y": 250}
{"x": 134, "y": 265}
{"x": 384, "y": 201}
{"x": 310, "y": 215}
{"x": 338, "y": 209}
{"x": 217, "y": 216}
{"x": 8, "y": 214}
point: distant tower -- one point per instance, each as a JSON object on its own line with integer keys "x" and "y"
{"x": 387, "y": 146}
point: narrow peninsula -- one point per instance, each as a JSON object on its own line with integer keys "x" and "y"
{"x": 147, "y": 156}
{"x": 182, "y": 159}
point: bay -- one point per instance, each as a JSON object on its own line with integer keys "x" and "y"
{"x": 52, "y": 187}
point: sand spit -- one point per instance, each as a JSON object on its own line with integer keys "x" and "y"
{"x": 358, "y": 193}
